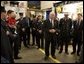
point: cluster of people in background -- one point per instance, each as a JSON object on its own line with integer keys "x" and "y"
{"x": 44, "y": 32}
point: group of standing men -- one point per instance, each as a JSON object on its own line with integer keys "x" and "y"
{"x": 56, "y": 31}
{"x": 61, "y": 32}
{"x": 52, "y": 30}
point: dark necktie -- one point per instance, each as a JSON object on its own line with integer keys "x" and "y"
{"x": 28, "y": 22}
{"x": 78, "y": 22}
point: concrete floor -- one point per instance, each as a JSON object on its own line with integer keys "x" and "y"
{"x": 34, "y": 55}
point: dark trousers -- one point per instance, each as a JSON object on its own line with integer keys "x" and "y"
{"x": 57, "y": 42}
{"x": 28, "y": 35}
{"x": 66, "y": 46}
{"x": 76, "y": 41}
{"x": 38, "y": 38}
{"x": 47, "y": 44}
{"x": 25, "y": 36}
{"x": 22, "y": 37}
{"x": 16, "y": 46}
{"x": 15, "y": 41}
{"x": 33, "y": 36}
{"x": 64, "y": 40}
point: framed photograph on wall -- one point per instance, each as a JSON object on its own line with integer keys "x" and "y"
{"x": 59, "y": 9}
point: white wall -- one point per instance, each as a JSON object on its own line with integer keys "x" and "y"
{"x": 17, "y": 9}
{"x": 46, "y": 4}
{"x": 25, "y": 3}
{"x": 73, "y": 9}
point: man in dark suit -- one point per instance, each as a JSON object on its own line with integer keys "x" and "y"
{"x": 33, "y": 26}
{"x": 77, "y": 33}
{"x": 50, "y": 28}
{"x": 6, "y": 50}
{"x": 21, "y": 30}
{"x": 25, "y": 25}
{"x": 22, "y": 27}
{"x": 39, "y": 32}
{"x": 65, "y": 29}
{"x": 57, "y": 35}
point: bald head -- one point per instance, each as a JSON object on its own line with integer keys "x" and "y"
{"x": 52, "y": 15}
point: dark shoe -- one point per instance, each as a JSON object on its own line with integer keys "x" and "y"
{"x": 60, "y": 51}
{"x": 78, "y": 54}
{"x": 67, "y": 53}
{"x": 38, "y": 47}
{"x": 32, "y": 44}
{"x": 57, "y": 48}
{"x": 46, "y": 58}
{"x": 17, "y": 57}
{"x": 42, "y": 48}
{"x": 73, "y": 53}
{"x": 19, "y": 48}
{"x": 54, "y": 57}
{"x": 35, "y": 44}
{"x": 27, "y": 46}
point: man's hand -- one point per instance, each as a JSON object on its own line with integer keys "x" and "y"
{"x": 34, "y": 28}
{"x": 7, "y": 32}
{"x": 15, "y": 27}
{"x": 56, "y": 33}
{"x": 14, "y": 35}
{"x": 52, "y": 30}
{"x": 23, "y": 29}
{"x": 40, "y": 31}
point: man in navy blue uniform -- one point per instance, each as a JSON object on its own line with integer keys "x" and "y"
{"x": 39, "y": 32}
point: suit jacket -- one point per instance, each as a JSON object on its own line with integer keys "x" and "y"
{"x": 25, "y": 19}
{"x": 6, "y": 50}
{"x": 20, "y": 25}
{"x": 23, "y": 23}
{"x": 33, "y": 24}
{"x": 48, "y": 26}
{"x": 77, "y": 29}
{"x": 39, "y": 25}
{"x": 65, "y": 27}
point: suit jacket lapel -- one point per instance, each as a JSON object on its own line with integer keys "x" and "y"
{"x": 50, "y": 23}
